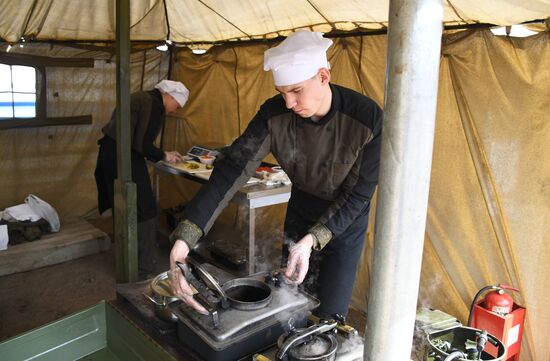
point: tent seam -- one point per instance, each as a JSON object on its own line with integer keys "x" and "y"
{"x": 455, "y": 11}
{"x": 167, "y": 20}
{"x": 320, "y": 13}
{"x": 27, "y": 21}
{"x": 221, "y": 16}
{"x": 144, "y": 16}
{"x": 237, "y": 90}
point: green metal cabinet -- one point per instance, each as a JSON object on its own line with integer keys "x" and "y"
{"x": 98, "y": 333}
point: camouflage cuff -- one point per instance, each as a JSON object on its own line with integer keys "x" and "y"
{"x": 321, "y": 234}
{"x": 188, "y": 232}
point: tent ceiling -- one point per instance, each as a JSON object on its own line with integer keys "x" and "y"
{"x": 196, "y": 21}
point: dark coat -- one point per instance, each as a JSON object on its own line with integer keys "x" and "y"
{"x": 147, "y": 118}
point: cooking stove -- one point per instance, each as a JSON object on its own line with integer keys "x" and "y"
{"x": 230, "y": 333}
{"x": 240, "y": 335}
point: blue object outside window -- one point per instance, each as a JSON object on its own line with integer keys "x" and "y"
{"x": 17, "y": 91}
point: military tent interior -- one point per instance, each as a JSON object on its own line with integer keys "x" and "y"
{"x": 489, "y": 198}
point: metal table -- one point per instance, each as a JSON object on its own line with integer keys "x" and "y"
{"x": 250, "y": 196}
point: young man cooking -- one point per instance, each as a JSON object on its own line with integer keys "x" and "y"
{"x": 327, "y": 139}
{"x": 147, "y": 113}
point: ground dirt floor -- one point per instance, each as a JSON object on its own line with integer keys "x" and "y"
{"x": 34, "y": 298}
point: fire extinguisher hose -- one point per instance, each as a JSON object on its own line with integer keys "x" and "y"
{"x": 478, "y": 294}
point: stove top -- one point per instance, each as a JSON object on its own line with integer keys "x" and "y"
{"x": 286, "y": 307}
{"x": 240, "y": 332}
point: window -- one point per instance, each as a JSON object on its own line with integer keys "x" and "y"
{"x": 17, "y": 91}
{"x": 23, "y": 90}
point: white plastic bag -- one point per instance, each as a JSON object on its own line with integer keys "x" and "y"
{"x": 44, "y": 210}
{"x": 4, "y": 238}
{"x": 20, "y": 212}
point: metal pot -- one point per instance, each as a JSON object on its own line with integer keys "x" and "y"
{"x": 321, "y": 348}
{"x": 315, "y": 343}
{"x": 451, "y": 342}
{"x": 162, "y": 296}
{"x": 240, "y": 293}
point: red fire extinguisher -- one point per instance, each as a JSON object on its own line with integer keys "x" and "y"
{"x": 500, "y": 316}
{"x": 499, "y": 301}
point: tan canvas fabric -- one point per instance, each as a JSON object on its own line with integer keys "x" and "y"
{"x": 73, "y": 20}
{"x": 57, "y": 163}
{"x": 219, "y": 20}
{"x": 489, "y": 195}
{"x": 489, "y": 190}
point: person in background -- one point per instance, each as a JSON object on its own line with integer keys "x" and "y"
{"x": 147, "y": 114}
{"x": 327, "y": 139}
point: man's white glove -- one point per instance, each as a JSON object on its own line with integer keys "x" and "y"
{"x": 180, "y": 286}
{"x": 298, "y": 259}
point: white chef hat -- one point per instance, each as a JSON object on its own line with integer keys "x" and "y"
{"x": 176, "y": 89}
{"x": 299, "y": 57}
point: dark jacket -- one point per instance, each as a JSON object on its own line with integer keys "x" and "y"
{"x": 146, "y": 120}
{"x": 147, "y": 116}
{"x": 334, "y": 159}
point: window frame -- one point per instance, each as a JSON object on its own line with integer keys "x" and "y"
{"x": 13, "y": 92}
{"x": 40, "y": 64}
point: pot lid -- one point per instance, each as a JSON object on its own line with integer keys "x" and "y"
{"x": 207, "y": 278}
{"x": 320, "y": 347}
{"x": 161, "y": 285}
{"x": 293, "y": 344}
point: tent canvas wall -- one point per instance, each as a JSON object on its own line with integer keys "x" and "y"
{"x": 489, "y": 195}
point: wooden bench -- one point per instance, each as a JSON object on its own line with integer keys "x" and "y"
{"x": 77, "y": 238}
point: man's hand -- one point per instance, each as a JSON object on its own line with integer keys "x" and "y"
{"x": 298, "y": 259}
{"x": 180, "y": 287}
{"x": 172, "y": 157}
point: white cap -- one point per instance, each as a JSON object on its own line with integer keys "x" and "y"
{"x": 299, "y": 57}
{"x": 176, "y": 89}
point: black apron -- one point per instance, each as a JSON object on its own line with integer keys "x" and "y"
{"x": 332, "y": 270}
{"x": 106, "y": 173}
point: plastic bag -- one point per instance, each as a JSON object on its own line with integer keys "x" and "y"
{"x": 20, "y": 212}
{"x": 44, "y": 210}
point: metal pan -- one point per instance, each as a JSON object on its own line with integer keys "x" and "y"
{"x": 162, "y": 296}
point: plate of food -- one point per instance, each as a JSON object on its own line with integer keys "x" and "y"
{"x": 207, "y": 159}
{"x": 191, "y": 166}
{"x": 263, "y": 172}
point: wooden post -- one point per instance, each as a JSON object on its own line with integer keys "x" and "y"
{"x": 125, "y": 212}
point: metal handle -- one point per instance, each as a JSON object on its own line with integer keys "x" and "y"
{"x": 212, "y": 311}
{"x": 506, "y": 287}
{"x": 303, "y": 335}
{"x": 200, "y": 297}
{"x": 153, "y": 300}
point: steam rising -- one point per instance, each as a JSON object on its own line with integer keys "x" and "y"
{"x": 420, "y": 343}
{"x": 350, "y": 349}
{"x": 290, "y": 294}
